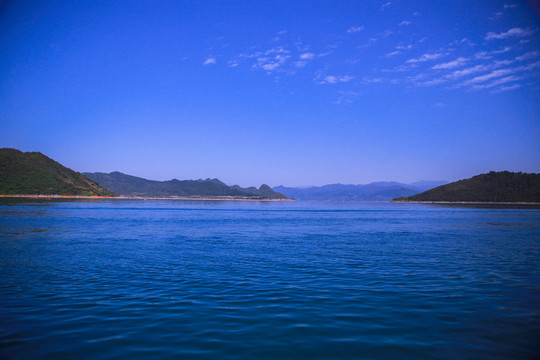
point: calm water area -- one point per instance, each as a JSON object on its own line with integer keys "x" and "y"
{"x": 128, "y": 279}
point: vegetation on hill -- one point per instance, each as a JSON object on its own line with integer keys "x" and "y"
{"x": 32, "y": 173}
{"x": 264, "y": 191}
{"x": 492, "y": 187}
{"x": 128, "y": 185}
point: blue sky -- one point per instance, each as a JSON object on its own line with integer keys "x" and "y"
{"x": 278, "y": 92}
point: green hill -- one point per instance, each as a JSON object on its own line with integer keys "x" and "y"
{"x": 128, "y": 185}
{"x": 32, "y": 173}
{"x": 492, "y": 187}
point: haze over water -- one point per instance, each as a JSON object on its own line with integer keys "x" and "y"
{"x": 169, "y": 279}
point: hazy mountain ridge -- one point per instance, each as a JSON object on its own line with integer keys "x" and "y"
{"x": 128, "y": 185}
{"x": 32, "y": 173}
{"x": 501, "y": 186}
{"x": 376, "y": 191}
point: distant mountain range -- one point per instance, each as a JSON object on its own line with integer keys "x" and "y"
{"x": 498, "y": 187}
{"x": 127, "y": 185}
{"x": 377, "y": 191}
{"x": 32, "y": 173}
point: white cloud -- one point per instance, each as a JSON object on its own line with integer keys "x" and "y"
{"x": 476, "y": 82}
{"x": 460, "y": 73}
{"x": 506, "y": 88}
{"x": 452, "y": 64}
{"x": 425, "y": 57}
{"x": 504, "y": 80}
{"x": 278, "y": 50}
{"x": 369, "y": 43}
{"x": 492, "y": 75}
{"x": 332, "y": 79}
{"x": 385, "y": 5}
{"x": 354, "y": 29}
{"x": 405, "y": 23}
{"x": 307, "y": 56}
{"x": 393, "y": 53}
{"x": 497, "y": 82}
{"x": 268, "y": 60}
{"x": 372, "y": 80}
{"x": 404, "y": 47}
{"x": 346, "y": 97}
{"x": 502, "y": 51}
{"x": 514, "y": 32}
{"x": 528, "y": 55}
{"x": 271, "y": 64}
{"x": 509, "y": 6}
{"x": 484, "y": 55}
{"x": 530, "y": 66}
{"x": 209, "y": 61}
{"x": 431, "y": 82}
{"x": 462, "y": 41}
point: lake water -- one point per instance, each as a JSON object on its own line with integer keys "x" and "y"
{"x": 263, "y": 280}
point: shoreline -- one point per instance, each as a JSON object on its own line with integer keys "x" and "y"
{"x": 467, "y": 202}
{"x": 95, "y": 197}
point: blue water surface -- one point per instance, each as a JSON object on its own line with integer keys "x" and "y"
{"x": 263, "y": 280}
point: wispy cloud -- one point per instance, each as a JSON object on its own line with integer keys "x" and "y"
{"x": 498, "y": 82}
{"x": 431, "y": 82}
{"x": 462, "y": 41}
{"x": 514, "y": 32}
{"x": 333, "y": 79}
{"x": 492, "y": 75}
{"x": 425, "y": 57}
{"x": 304, "y": 58}
{"x": 506, "y": 88}
{"x": 372, "y": 80}
{"x": 346, "y": 97}
{"x": 268, "y": 60}
{"x": 209, "y": 61}
{"x": 405, "y": 23}
{"x": 468, "y": 71}
{"x": 271, "y": 64}
{"x": 504, "y": 80}
{"x": 404, "y": 47}
{"x": 509, "y": 6}
{"x": 370, "y": 42}
{"x": 484, "y": 55}
{"x": 307, "y": 56}
{"x": 452, "y": 64}
{"x": 354, "y": 29}
{"x": 527, "y": 56}
{"x": 393, "y": 53}
{"x": 496, "y": 16}
{"x": 385, "y": 5}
